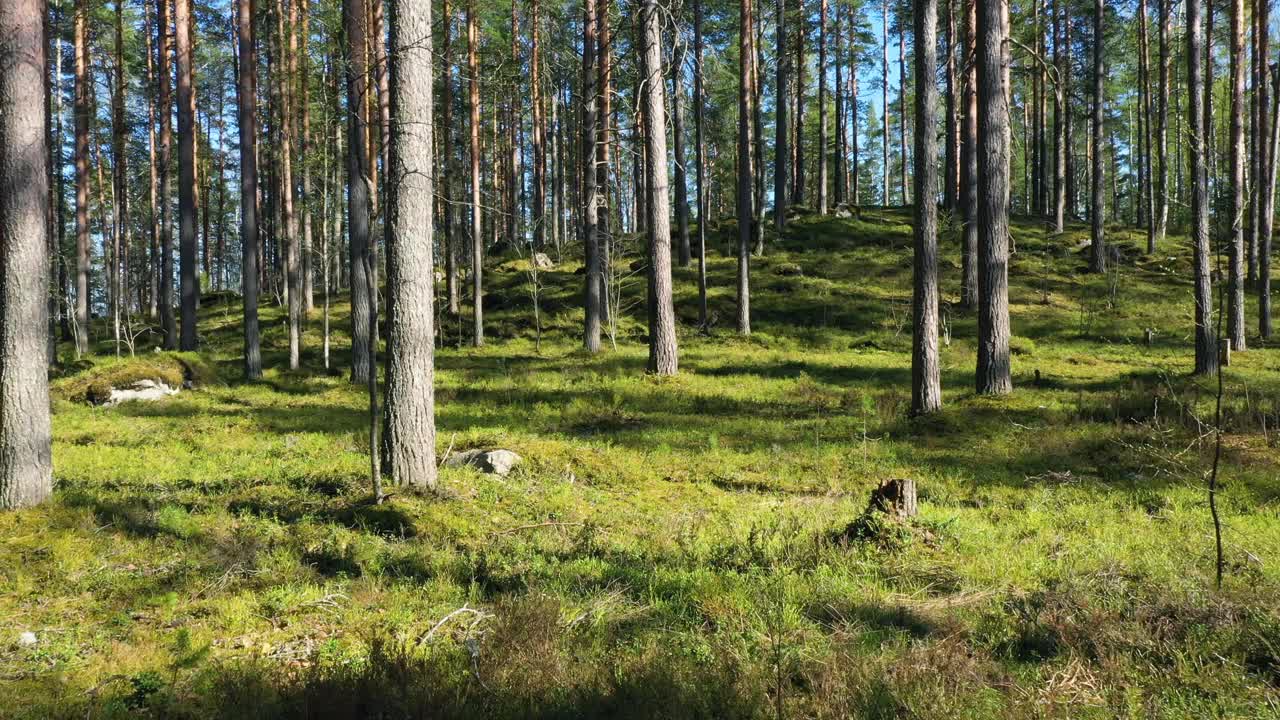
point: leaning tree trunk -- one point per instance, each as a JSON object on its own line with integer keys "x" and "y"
{"x": 993, "y": 374}
{"x": 662, "y": 323}
{"x": 359, "y": 189}
{"x": 410, "y": 404}
{"x": 26, "y": 458}
{"x": 1097, "y": 204}
{"x": 926, "y": 386}
{"x": 190, "y": 279}
{"x": 1206, "y": 340}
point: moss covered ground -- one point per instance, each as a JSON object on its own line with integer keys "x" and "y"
{"x": 674, "y": 547}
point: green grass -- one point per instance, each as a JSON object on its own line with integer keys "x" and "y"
{"x": 672, "y": 547}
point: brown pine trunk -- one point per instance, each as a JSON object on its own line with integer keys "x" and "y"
{"x": 822, "y": 107}
{"x": 1236, "y": 149}
{"x": 700, "y": 160}
{"x": 360, "y": 190}
{"x": 26, "y": 467}
{"x": 782, "y": 149}
{"x": 746, "y": 37}
{"x": 1097, "y": 205}
{"x": 681, "y": 177}
{"x": 969, "y": 164}
{"x": 587, "y": 180}
{"x": 247, "y": 89}
{"x": 447, "y": 151}
{"x": 477, "y": 228}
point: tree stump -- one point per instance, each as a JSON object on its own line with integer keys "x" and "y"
{"x": 895, "y": 498}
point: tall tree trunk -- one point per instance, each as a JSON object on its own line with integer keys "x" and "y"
{"x": 855, "y": 190}
{"x": 283, "y": 79}
{"x": 604, "y": 121}
{"x": 1266, "y": 182}
{"x": 903, "y": 190}
{"x": 662, "y": 323}
{"x": 26, "y": 466}
{"x": 1206, "y": 341}
{"x": 1236, "y": 148}
{"x": 884, "y": 99}
{"x": 699, "y": 99}
{"x": 303, "y": 8}
{"x": 477, "y": 230}
{"x": 587, "y": 178}
{"x": 410, "y": 404}
{"x": 1162, "y": 122}
{"x": 969, "y": 162}
{"x": 782, "y": 150}
{"x": 539, "y": 132}
{"x": 1097, "y": 205}
{"x": 797, "y": 145}
{"x": 993, "y": 374}
{"x": 82, "y": 110}
{"x": 822, "y": 107}
{"x": 757, "y": 129}
{"x": 926, "y": 385}
{"x": 951, "y": 161}
{"x": 1061, "y": 59}
{"x": 167, "y": 319}
{"x": 247, "y": 120}
{"x": 190, "y": 278}
{"x": 449, "y": 245}
{"x": 360, "y": 188}
{"x": 1146, "y": 180}
{"x": 681, "y": 177}
{"x": 746, "y": 37}
{"x": 120, "y": 164}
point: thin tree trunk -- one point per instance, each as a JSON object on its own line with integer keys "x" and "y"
{"x": 746, "y": 36}
{"x": 884, "y": 100}
{"x": 247, "y": 121}
{"x": 450, "y": 244}
{"x": 120, "y": 162}
{"x": 926, "y": 386}
{"x": 681, "y": 177}
{"x": 822, "y": 107}
{"x": 782, "y": 150}
{"x": 951, "y": 161}
{"x": 1266, "y": 182}
{"x": 903, "y": 190}
{"x": 699, "y": 100}
{"x": 969, "y": 163}
{"x": 477, "y": 229}
{"x": 539, "y": 132}
{"x": 993, "y": 373}
{"x": 1097, "y": 205}
{"x": 303, "y": 8}
{"x": 190, "y": 279}
{"x": 587, "y": 178}
{"x": 360, "y": 188}
{"x": 1162, "y": 123}
{"x": 1235, "y": 290}
{"x": 1206, "y": 341}
{"x": 82, "y": 110}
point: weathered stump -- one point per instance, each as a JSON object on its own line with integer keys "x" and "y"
{"x": 896, "y": 498}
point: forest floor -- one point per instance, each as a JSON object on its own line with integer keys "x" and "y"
{"x": 677, "y": 547}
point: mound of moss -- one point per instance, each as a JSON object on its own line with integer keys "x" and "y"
{"x": 93, "y": 383}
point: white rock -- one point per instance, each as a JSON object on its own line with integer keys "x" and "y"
{"x": 145, "y": 390}
{"x": 496, "y": 462}
{"x": 27, "y": 639}
{"x": 542, "y": 261}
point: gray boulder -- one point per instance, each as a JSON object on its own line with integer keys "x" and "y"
{"x": 495, "y": 462}
{"x": 543, "y": 262}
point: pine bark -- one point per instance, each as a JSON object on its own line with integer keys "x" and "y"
{"x": 248, "y": 122}
{"x": 1162, "y": 123}
{"x": 1097, "y": 204}
{"x": 926, "y": 386}
{"x": 1265, "y": 185}
{"x": 360, "y": 188}
{"x": 83, "y": 93}
{"x": 410, "y": 392}
{"x": 167, "y": 319}
{"x": 592, "y": 299}
{"x": 681, "y": 176}
{"x": 822, "y": 108}
{"x": 699, "y": 100}
{"x": 663, "y": 357}
{"x": 477, "y": 228}
{"x": 1206, "y": 340}
{"x": 189, "y": 272}
{"x": 26, "y": 465}
{"x": 782, "y": 150}
{"x": 745, "y": 57}
{"x": 993, "y": 372}
{"x": 1236, "y": 150}
{"x": 969, "y": 163}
